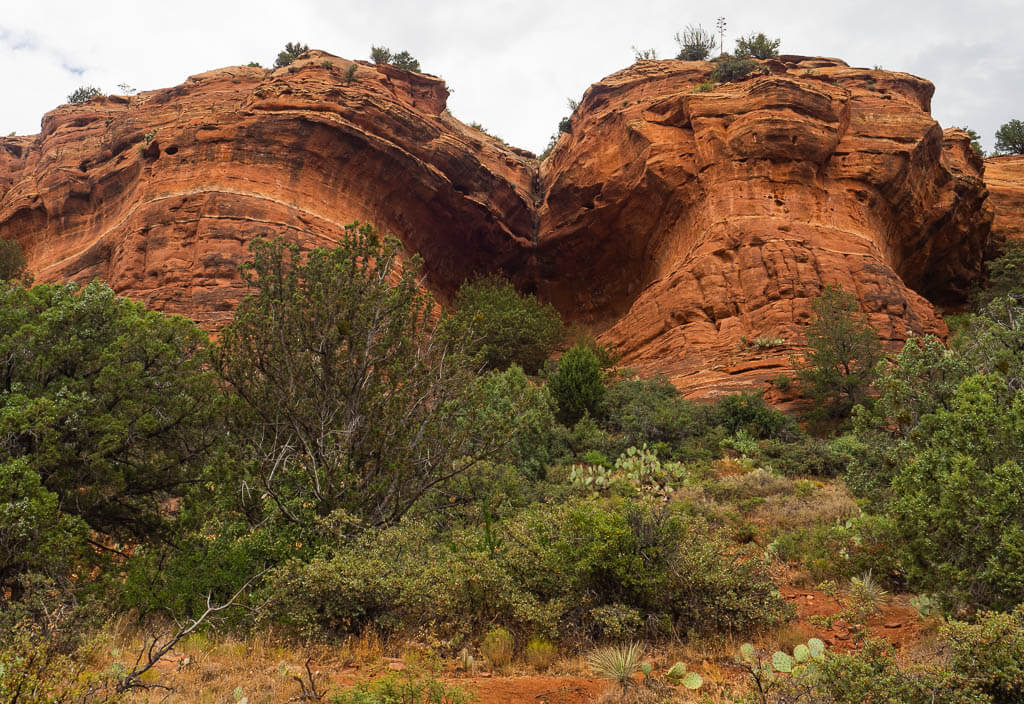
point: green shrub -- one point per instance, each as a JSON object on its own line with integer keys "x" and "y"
{"x": 578, "y": 384}
{"x": 498, "y": 647}
{"x": 732, "y": 68}
{"x": 749, "y": 412}
{"x": 650, "y": 411}
{"x": 865, "y": 543}
{"x": 402, "y": 59}
{"x": 757, "y": 46}
{"x": 803, "y": 457}
{"x": 506, "y": 326}
{"x": 540, "y": 653}
{"x": 403, "y": 689}
{"x": 988, "y": 655}
{"x": 290, "y": 53}
{"x": 1005, "y": 276}
{"x": 695, "y": 44}
{"x": 84, "y": 94}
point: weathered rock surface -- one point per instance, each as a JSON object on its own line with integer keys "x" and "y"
{"x": 707, "y": 221}
{"x": 690, "y": 229}
{"x": 1004, "y": 176}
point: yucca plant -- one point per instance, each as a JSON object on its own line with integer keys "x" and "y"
{"x": 617, "y": 663}
{"x": 866, "y": 597}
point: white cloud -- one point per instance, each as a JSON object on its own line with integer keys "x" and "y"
{"x": 511, "y": 63}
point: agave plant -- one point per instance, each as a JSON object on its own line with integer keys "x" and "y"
{"x": 617, "y": 663}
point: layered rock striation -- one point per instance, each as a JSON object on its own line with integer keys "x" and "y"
{"x": 689, "y": 225}
{"x": 1004, "y": 176}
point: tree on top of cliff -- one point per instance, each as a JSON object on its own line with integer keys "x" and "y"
{"x": 1010, "y": 138}
{"x": 290, "y": 53}
{"x": 695, "y": 44}
{"x": 844, "y": 350}
{"x": 758, "y": 46}
{"x": 403, "y": 59}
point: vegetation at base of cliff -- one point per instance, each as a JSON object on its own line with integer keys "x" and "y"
{"x": 13, "y": 265}
{"x": 347, "y": 462}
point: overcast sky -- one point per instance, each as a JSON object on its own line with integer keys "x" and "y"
{"x": 510, "y": 64}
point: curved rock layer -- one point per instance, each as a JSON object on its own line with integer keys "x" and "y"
{"x": 1004, "y": 176}
{"x": 688, "y": 224}
{"x": 710, "y": 216}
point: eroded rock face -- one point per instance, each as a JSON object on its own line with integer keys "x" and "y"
{"x": 709, "y": 220}
{"x": 689, "y": 228}
{"x": 159, "y": 194}
{"x": 1004, "y": 176}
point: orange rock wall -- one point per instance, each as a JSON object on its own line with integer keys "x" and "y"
{"x": 690, "y": 229}
{"x": 1004, "y": 176}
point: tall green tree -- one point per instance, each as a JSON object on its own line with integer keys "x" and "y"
{"x": 843, "y": 352}
{"x": 578, "y": 384}
{"x": 110, "y": 405}
{"x": 1010, "y": 138}
{"x": 354, "y": 399}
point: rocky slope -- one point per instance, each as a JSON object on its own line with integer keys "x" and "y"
{"x": 689, "y": 228}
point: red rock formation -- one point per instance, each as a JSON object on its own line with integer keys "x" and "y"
{"x": 708, "y": 220}
{"x": 1004, "y": 176}
{"x": 690, "y": 229}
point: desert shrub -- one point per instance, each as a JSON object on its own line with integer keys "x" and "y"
{"x": 1010, "y": 138}
{"x": 988, "y": 655}
{"x": 506, "y": 326}
{"x": 749, "y": 412}
{"x": 957, "y": 501}
{"x": 757, "y": 46}
{"x": 695, "y": 44}
{"x": 563, "y": 570}
{"x": 843, "y": 352}
{"x": 498, "y": 647}
{"x": 402, "y": 59}
{"x": 865, "y": 543}
{"x": 405, "y": 688}
{"x": 650, "y": 411}
{"x": 290, "y": 53}
{"x": 805, "y": 456}
{"x": 732, "y": 68}
{"x": 84, "y": 94}
{"x": 578, "y": 384}
{"x": 540, "y": 653}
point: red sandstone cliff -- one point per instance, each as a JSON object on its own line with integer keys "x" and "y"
{"x": 683, "y": 226}
{"x": 1004, "y": 176}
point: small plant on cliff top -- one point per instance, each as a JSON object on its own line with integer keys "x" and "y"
{"x": 757, "y": 46}
{"x": 695, "y": 44}
{"x": 402, "y": 59}
{"x": 84, "y": 94}
{"x": 1010, "y": 138}
{"x": 732, "y": 68}
{"x": 290, "y": 53}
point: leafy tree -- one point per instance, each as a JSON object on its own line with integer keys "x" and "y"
{"x": 695, "y": 44}
{"x": 1010, "y": 138}
{"x": 578, "y": 384}
{"x": 507, "y": 326}
{"x": 84, "y": 94}
{"x": 402, "y": 59}
{"x": 290, "y": 53}
{"x": 109, "y": 405}
{"x": 757, "y": 46}
{"x": 844, "y": 350}
{"x": 353, "y": 399}
{"x": 13, "y": 266}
